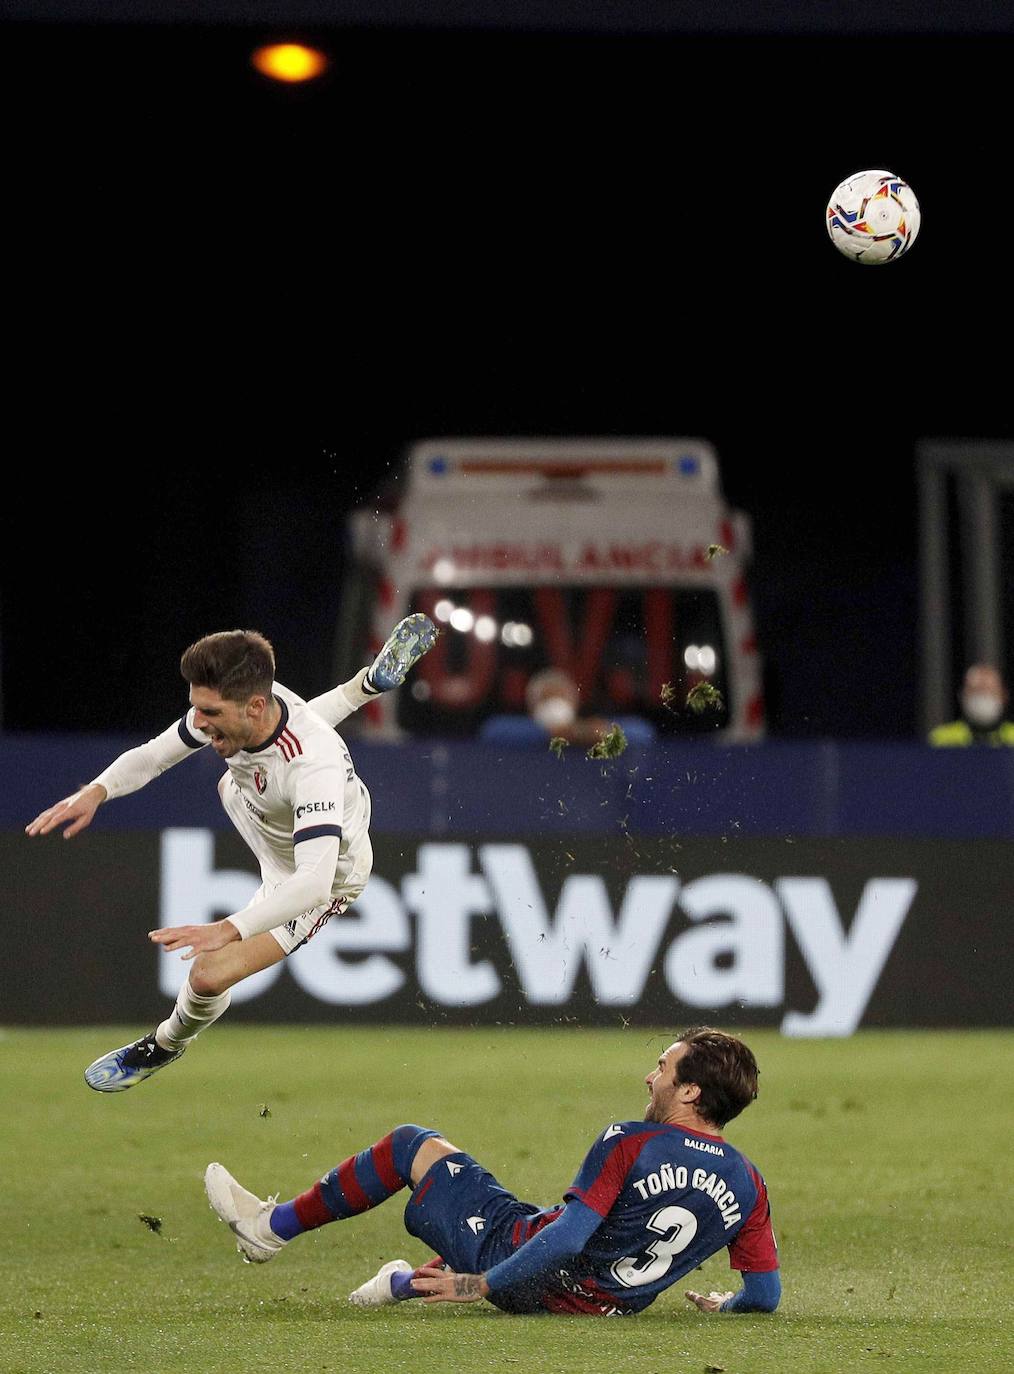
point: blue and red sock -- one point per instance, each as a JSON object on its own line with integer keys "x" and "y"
{"x": 401, "y": 1286}
{"x": 360, "y": 1182}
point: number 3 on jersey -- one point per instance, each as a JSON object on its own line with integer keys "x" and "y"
{"x": 677, "y": 1226}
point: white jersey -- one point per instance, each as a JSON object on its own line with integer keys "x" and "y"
{"x": 299, "y": 785}
{"x": 295, "y": 799}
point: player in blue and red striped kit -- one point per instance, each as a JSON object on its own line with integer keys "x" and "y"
{"x": 652, "y": 1200}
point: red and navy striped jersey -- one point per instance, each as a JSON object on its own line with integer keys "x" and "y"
{"x": 669, "y": 1199}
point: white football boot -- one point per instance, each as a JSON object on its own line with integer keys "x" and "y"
{"x": 376, "y": 1292}
{"x": 406, "y": 644}
{"x": 247, "y": 1216}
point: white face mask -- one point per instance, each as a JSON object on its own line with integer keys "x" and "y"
{"x": 981, "y": 709}
{"x": 553, "y": 713}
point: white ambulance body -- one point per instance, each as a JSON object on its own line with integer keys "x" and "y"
{"x": 596, "y": 556}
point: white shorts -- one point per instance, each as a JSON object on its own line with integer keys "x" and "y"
{"x": 294, "y": 934}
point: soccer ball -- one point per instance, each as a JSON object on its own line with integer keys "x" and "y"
{"x": 873, "y": 217}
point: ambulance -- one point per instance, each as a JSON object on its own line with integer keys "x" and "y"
{"x": 616, "y": 560}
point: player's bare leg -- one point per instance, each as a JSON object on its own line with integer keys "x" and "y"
{"x": 201, "y": 1001}
{"x": 216, "y": 971}
{"x": 427, "y": 1155}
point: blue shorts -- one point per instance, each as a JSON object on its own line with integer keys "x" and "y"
{"x": 460, "y": 1211}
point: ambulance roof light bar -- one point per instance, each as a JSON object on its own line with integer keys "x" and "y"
{"x": 642, "y": 465}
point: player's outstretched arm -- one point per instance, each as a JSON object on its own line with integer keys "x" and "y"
{"x": 450, "y": 1287}
{"x": 132, "y": 770}
{"x": 761, "y": 1292}
{"x": 74, "y": 812}
{"x": 308, "y": 887}
{"x": 200, "y": 939}
{"x": 708, "y": 1302}
{"x": 567, "y": 1235}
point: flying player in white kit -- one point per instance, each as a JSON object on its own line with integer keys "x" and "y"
{"x": 291, "y": 791}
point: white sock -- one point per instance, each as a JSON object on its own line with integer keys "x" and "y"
{"x": 338, "y": 704}
{"x": 191, "y": 1014}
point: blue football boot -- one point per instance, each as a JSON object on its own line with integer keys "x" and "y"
{"x": 122, "y": 1068}
{"x": 406, "y": 644}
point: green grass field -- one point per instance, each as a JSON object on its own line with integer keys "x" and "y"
{"x": 887, "y": 1157}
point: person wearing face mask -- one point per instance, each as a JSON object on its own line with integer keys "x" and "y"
{"x": 983, "y": 700}
{"x": 553, "y": 701}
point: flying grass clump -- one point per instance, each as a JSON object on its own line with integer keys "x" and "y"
{"x": 610, "y": 746}
{"x": 704, "y": 697}
{"x": 715, "y": 551}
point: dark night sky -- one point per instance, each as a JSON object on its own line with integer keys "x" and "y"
{"x": 230, "y": 306}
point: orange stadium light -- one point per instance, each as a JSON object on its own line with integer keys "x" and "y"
{"x": 292, "y": 62}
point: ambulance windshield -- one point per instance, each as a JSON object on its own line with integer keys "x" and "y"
{"x": 623, "y": 647}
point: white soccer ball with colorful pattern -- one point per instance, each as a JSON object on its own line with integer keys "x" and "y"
{"x": 873, "y": 217}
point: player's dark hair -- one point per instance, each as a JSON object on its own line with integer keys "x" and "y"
{"x": 724, "y": 1070}
{"x": 237, "y": 664}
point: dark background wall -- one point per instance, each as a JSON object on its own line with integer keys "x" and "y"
{"x": 230, "y": 305}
